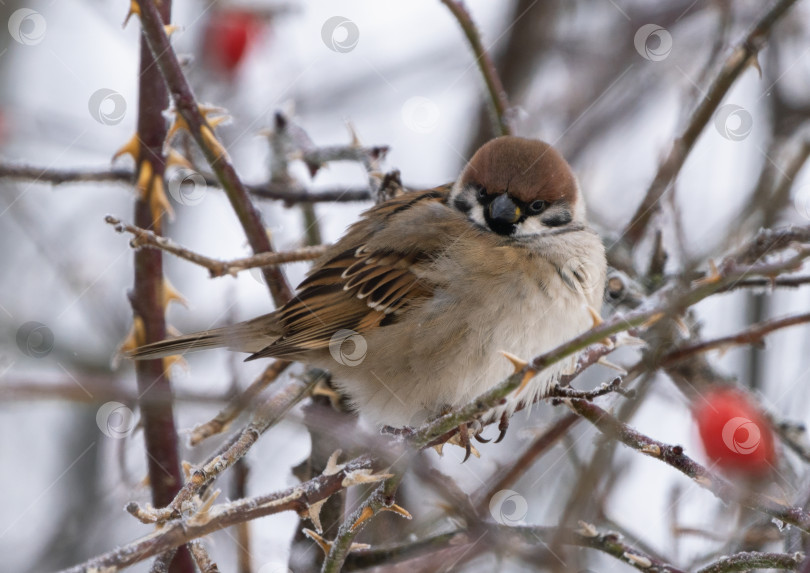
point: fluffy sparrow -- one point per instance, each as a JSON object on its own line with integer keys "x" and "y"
{"x": 410, "y": 309}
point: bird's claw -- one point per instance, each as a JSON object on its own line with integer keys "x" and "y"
{"x": 503, "y": 425}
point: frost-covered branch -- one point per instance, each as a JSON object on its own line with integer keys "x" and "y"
{"x": 269, "y": 413}
{"x": 210, "y": 518}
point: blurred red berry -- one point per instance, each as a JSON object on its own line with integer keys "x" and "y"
{"x": 229, "y": 36}
{"x": 735, "y": 434}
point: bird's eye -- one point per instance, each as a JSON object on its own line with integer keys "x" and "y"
{"x": 538, "y": 206}
{"x": 480, "y": 192}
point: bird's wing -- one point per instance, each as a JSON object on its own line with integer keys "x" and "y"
{"x": 372, "y": 275}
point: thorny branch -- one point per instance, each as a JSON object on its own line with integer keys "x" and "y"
{"x": 148, "y": 298}
{"x": 201, "y": 129}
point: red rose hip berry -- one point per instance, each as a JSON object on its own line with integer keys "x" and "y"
{"x": 735, "y": 434}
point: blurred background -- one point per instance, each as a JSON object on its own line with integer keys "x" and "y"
{"x": 609, "y": 82}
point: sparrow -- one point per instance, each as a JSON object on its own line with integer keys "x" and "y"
{"x": 410, "y": 309}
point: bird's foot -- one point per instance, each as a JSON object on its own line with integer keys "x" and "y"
{"x": 462, "y": 439}
{"x": 503, "y": 425}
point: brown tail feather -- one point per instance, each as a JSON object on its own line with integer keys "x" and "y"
{"x": 250, "y": 336}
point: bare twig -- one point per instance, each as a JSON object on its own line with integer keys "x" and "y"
{"x": 585, "y": 536}
{"x": 294, "y": 196}
{"x": 497, "y": 95}
{"x": 223, "y": 419}
{"x": 366, "y": 558}
{"x": 794, "y": 436}
{"x": 381, "y": 499}
{"x": 290, "y": 141}
{"x": 612, "y": 544}
{"x": 769, "y": 240}
{"x": 291, "y": 193}
{"x": 752, "y": 335}
{"x": 743, "y": 55}
{"x": 775, "y": 282}
{"x": 93, "y": 390}
{"x": 243, "y": 540}
{"x": 781, "y": 191}
{"x": 162, "y": 561}
{"x": 61, "y": 176}
{"x": 563, "y": 392}
{"x": 217, "y": 268}
{"x": 201, "y": 557}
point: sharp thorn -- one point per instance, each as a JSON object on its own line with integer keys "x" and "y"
{"x": 518, "y": 363}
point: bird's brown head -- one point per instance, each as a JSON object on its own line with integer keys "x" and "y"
{"x": 518, "y": 187}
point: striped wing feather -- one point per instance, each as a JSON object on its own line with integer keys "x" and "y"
{"x": 359, "y": 284}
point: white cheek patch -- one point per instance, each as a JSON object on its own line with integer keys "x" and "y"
{"x": 529, "y": 227}
{"x": 476, "y": 214}
{"x": 458, "y": 191}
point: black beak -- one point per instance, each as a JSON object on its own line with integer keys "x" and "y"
{"x": 504, "y": 210}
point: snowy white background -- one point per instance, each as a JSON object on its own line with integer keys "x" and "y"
{"x": 64, "y": 267}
